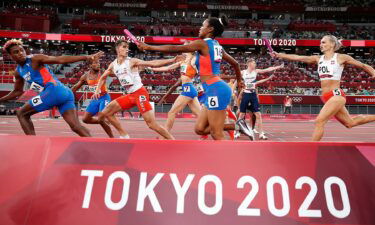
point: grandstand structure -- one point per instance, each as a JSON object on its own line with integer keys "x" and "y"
{"x": 53, "y": 178}
{"x": 89, "y": 26}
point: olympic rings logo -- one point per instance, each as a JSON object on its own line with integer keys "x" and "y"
{"x": 297, "y": 99}
{"x": 155, "y": 98}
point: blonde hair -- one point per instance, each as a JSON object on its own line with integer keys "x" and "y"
{"x": 11, "y": 43}
{"x": 250, "y": 60}
{"x": 336, "y": 41}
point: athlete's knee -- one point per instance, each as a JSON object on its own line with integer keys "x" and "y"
{"x": 320, "y": 122}
{"x": 152, "y": 125}
{"x": 172, "y": 113}
{"x": 20, "y": 113}
{"x": 351, "y": 123}
{"x": 200, "y": 130}
{"x": 217, "y": 133}
{"x": 86, "y": 120}
{"x": 102, "y": 116}
{"x": 76, "y": 127}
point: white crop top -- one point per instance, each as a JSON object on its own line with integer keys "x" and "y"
{"x": 330, "y": 69}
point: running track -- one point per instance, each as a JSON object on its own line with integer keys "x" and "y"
{"x": 277, "y": 130}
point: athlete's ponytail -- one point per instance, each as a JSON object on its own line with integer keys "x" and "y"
{"x": 337, "y": 42}
{"x": 218, "y": 24}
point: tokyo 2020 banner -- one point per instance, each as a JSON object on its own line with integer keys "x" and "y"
{"x": 173, "y": 40}
{"x": 71, "y": 181}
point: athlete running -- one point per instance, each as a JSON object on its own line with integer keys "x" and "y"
{"x": 34, "y": 70}
{"x": 96, "y": 106}
{"x": 330, "y": 67}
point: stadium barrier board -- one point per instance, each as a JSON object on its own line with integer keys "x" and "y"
{"x": 69, "y": 181}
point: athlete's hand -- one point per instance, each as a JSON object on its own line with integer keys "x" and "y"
{"x": 149, "y": 70}
{"x": 274, "y": 54}
{"x": 162, "y": 100}
{"x": 179, "y": 58}
{"x": 95, "y": 57}
{"x": 240, "y": 85}
{"x": 96, "y": 95}
{"x": 142, "y": 46}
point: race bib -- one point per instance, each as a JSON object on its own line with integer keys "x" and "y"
{"x": 199, "y": 87}
{"x": 218, "y": 53}
{"x": 142, "y": 98}
{"x": 126, "y": 81}
{"x": 93, "y": 88}
{"x": 37, "y": 100}
{"x": 250, "y": 86}
{"x": 337, "y": 92}
{"x": 183, "y": 68}
{"x": 186, "y": 88}
{"x": 213, "y": 102}
{"x": 36, "y": 87}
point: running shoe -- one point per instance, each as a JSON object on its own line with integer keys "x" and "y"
{"x": 262, "y": 136}
{"x": 245, "y": 129}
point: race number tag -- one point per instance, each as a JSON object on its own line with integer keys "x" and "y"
{"x": 250, "y": 86}
{"x": 213, "y": 102}
{"x": 337, "y": 92}
{"x": 142, "y": 98}
{"x": 92, "y": 88}
{"x": 186, "y": 88}
{"x": 126, "y": 81}
{"x": 199, "y": 87}
{"x": 36, "y": 87}
{"x": 218, "y": 53}
{"x": 183, "y": 68}
{"x": 37, "y": 100}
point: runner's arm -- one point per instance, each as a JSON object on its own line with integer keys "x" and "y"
{"x": 349, "y": 60}
{"x": 293, "y": 57}
{"x": 18, "y": 88}
{"x": 65, "y": 59}
{"x": 166, "y": 68}
{"x": 81, "y": 82}
{"x": 170, "y": 91}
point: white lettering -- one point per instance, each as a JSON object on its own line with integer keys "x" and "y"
{"x": 218, "y": 195}
{"x": 90, "y": 174}
{"x": 271, "y": 198}
{"x": 125, "y": 190}
{"x": 148, "y": 191}
{"x": 181, "y": 190}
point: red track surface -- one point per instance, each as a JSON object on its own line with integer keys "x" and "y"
{"x": 277, "y": 130}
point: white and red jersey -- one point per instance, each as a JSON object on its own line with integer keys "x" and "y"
{"x": 330, "y": 69}
{"x": 129, "y": 79}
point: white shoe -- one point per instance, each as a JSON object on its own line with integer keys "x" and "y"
{"x": 237, "y": 134}
{"x": 245, "y": 129}
{"x": 255, "y": 131}
{"x": 262, "y": 136}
